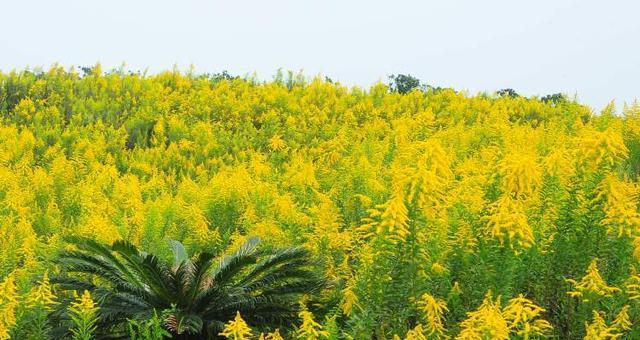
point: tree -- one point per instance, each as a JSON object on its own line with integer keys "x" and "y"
{"x": 196, "y": 297}
{"x": 508, "y": 93}
{"x": 554, "y": 98}
{"x": 403, "y": 83}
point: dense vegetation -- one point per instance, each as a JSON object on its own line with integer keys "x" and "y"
{"x": 428, "y": 213}
{"x": 196, "y": 296}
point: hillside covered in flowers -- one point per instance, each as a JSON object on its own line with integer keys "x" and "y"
{"x": 429, "y": 214}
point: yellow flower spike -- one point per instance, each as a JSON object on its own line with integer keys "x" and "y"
{"x": 620, "y": 206}
{"x": 416, "y": 334}
{"x": 84, "y": 314}
{"x": 437, "y": 268}
{"x": 84, "y": 303}
{"x": 524, "y": 318}
{"x": 8, "y": 304}
{"x": 301, "y": 172}
{"x": 41, "y": 294}
{"x": 601, "y": 149}
{"x": 433, "y": 310}
{"x": 276, "y": 143}
{"x": 559, "y": 162}
{"x": 350, "y": 299}
{"x": 622, "y": 322}
{"x": 275, "y": 335}
{"x": 591, "y": 283}
{"x": 507, "y": 221}
{"x": 236, "y": 329}
{"x": 632, "y": 286}
{"x": 520, "y": 172}
{"x": 486, "y": 322}
{"x": 395, "y": 217}
{"x": 599, "y": 330}
{"x": 310, "y": 329}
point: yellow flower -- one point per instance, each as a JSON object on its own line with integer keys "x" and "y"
{"x": 236, "y": 329}
{"x": 41, "y": 294}
{"x": 84, "y": 304}
{"x": 487, "y": 322}
{"x": 275, "y": 335}
{"x": 520, "y": 172}
{"x": 465, "y": 238}
{"x": 601, "y": 149}
{"x": 310, "y": 330}
{"x": 393, "y": 217}
{"x": 84, "y": 314}
{"x": 416, "y": 334}
{"x": 349, "y": 298}
{"x": 524, "y": 317}
{"x": 620, "y": 206}
{"x": 433, "y": 310}
{"x": 426, "y": 187}
{"x": 287, "y": 210}
{"x": 599, "y": 330}
{"x": 301, "y": 172}
{"x": 437, "y": 268}
{"x": 591, "y": 283}
{"x": 632, "y": 286}
{"x": 507, "y": 221}
{"x": 559, "y": 162}
{"x": 622, "y": 321}
{"x": 276, "y": 143}
{"x": 8, "y": 304}
{"x": 327, "y": 226}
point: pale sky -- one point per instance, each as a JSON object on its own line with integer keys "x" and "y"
{"x": 589, "y": 48}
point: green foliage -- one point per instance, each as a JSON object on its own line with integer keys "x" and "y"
{"x": 508, "y": 93}
{"x": 197, "y": 297}
{"x": 403, "y": 83}
{"x": 554, "y": 98}
{"x": 151, "y": 329}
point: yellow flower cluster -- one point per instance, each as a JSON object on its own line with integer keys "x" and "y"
{"x": 524, "y": 317}
{"x": 394, "y": 218}
{"x": 601, "y": 148}
{"x": 433, "y": 310}
{"x": 490, "y": 321}
{"x": 507, "y": 222}
{"x": 275, "y": 335}
{"x": 486, "y": 322}
{"x": 598, "y": 329}
{"x": 84, "y": 304}
{"x": 236, "y": 329}
{"x": 620, "y": 207}
{"x": 520, "y": 172}
{"x": 309, "y": 329}
{"x": 416, "y": 334}
{"x": 591, "y": 284}
{"x": 8, "y": 304}
{"x": 41, "y": 294}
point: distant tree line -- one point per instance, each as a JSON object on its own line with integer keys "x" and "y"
{"x": 405, "y": 83}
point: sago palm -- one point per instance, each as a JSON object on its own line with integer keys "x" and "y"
{"x": 195, "y": 296}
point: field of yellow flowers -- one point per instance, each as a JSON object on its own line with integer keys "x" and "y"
{"x": 433, "y": 214}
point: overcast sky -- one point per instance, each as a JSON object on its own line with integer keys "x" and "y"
{"x": 589, "y": 48}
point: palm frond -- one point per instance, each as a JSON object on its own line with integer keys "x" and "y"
{"x": 200, "y": 295}
{"x": 230, "y": 265}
